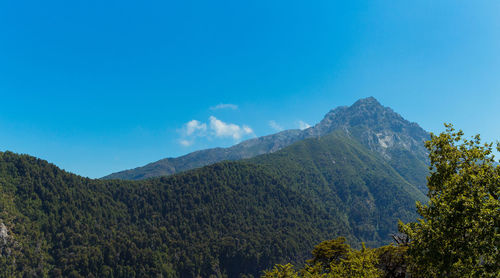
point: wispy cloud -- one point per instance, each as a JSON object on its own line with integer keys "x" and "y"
{"x": 186, "y": 143}
{"x": 224, "y": 106}
{"x": 274, "y": 125}
{"x": 214, "y": 129}
{"x": 190, "y": 131}
{"x": 194, "y": 126}
{"x": 303, "y": 125}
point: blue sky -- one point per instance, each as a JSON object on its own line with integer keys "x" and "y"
{"x": 101, "y": 86}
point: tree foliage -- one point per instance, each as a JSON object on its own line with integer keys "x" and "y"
{"x": 459, "y": 233}
{"x": 336, "y": 259}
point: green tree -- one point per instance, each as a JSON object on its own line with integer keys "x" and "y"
{"x": 333, "y": 259}
{"x": 392, "y": 260}
{"x": 358, "y": 264}
{"x": 281, "y": 271}
{"x": 459, "y": 233}
{"x": 330, "y": 251}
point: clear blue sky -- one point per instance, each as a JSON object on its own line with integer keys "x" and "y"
{"x": 101, "y": 86}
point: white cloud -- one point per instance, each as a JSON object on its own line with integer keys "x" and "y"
{"x": 224, "y": 106}
{"x": 222, "y": 129}
{"x": 303, "y": 125}
{"x": 214, "y": 129}
{"x": 274, "y": 125}
{"x": 191, "y": 130}
{"x": 186, "y": 143}
{"x": 195, "y": 126}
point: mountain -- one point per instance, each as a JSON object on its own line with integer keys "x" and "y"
{"x": 229, "y": 219}
{"x": 376, "y": 127}
{"x": 399, "y": 142}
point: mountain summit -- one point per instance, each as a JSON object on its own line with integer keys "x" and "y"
{"x": 378, "y": 128}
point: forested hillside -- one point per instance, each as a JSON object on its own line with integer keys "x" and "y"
{"x": 227, "y": 219}
{"x": 223, "y": 220}
{"x": 348, "y": 180}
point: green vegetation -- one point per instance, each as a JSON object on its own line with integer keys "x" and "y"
{"x": 350, "y": 182}
{"x": 459, "y": 235}
{"x": 335, "y": 259}
{"x": 222, "y": 220}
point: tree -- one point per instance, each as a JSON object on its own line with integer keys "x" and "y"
{"x": 281, "y": 271}
{"x": 330, "y": 251}
{"x": 392, "y": 259}
{"x": 333, "y": 259}
{"x": 459, "y": 233}
{"x": 358, "y": 264}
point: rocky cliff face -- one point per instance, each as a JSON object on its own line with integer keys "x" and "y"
{"x": 379, "y": 128}
{"x": 4, "y": 236}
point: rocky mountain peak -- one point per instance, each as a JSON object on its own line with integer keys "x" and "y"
{"x": 376, "y": 126}
{"x": 369, "y": 101}
{"x": 367, "y": 111}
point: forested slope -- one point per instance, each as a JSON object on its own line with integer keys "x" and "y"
{"x": 346, "y": 178}
{"x": 227, "y": 219}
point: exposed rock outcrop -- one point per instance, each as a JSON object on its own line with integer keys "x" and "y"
{"x": 6, "y": 241}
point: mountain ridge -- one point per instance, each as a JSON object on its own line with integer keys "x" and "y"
{"x": 377, "y": 127}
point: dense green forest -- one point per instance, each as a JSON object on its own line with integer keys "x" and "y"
{"x": 349, "y": 181}
{"x": 228, "y": 219}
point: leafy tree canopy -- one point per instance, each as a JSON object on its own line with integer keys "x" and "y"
{"x": 459, "y": 233}
{"x": 336, "y": 259}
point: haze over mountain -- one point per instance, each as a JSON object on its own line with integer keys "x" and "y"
{"x": 378, "y": 128}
